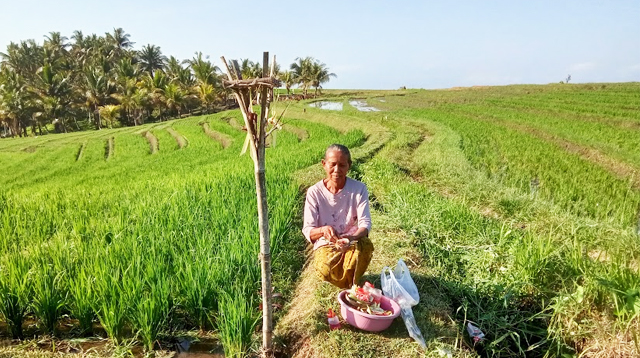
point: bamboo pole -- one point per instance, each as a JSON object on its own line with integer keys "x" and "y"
{"x": 263, "y": 219}
{"x": 257, "y": 134}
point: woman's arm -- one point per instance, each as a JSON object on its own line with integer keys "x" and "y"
{"x": 323, "y": 231}
{"x": 311, "y": 224}
{"x": 360, "y": 233}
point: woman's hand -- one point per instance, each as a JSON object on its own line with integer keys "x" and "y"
{"x": 342, "y": 244}
{"x": 329, "y": 233}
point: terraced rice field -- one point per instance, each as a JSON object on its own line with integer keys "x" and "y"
{"x": 516, "y": 207}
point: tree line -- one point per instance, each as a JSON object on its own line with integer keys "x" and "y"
{"x": 95, "y": 81}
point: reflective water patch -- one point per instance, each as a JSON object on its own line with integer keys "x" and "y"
{"x": 331, "y": 106}
{"x": 362, "y": 106}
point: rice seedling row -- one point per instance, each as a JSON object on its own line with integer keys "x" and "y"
{"x": 145, "y": 247}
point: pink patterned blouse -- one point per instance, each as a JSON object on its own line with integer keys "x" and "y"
{"x": 346, "y": 211}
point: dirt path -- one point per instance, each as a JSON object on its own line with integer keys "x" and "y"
{"x": 81, "y": 151}
{"x": 223, "y": 139}
{"x": 153, "y": 142}
{"x": 109, "y": 150}
{"x": 180, "y": 139}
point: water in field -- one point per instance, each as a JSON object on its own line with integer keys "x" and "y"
{"x": 328, "y": 105}
{"x": 362, "y": 106}
{"x": 200, "y": 349}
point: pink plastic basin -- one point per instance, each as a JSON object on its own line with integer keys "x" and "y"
{"x": 365, "y": 321}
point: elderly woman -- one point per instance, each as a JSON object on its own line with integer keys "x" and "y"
{"x": 337, "y": 221}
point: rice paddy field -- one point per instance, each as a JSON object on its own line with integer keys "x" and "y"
{"x": 517, "y": 208}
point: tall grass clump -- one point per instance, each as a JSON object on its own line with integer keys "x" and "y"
{"x": 469, "y": 257}
{"x": 237, "y": 319}
{"x": 198, "y": 281}
{"x": 151, "y": 302}
{"x": 48, "y": 297}
{"x": 112, "y": 304}
{"x": 82, "y": 296}
{"x": 15, "y": 291}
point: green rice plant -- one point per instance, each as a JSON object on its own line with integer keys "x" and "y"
{"x": 82, "y": 296}
{"x": 15, "y": 292}
{"x": 513, "y": 158}
{"x": 48, "y": 298}
{"x": 150, "y": 294}
{"x": 111, "y": 305}
{"x": 198, "y": 281}
{"x": 237, "y": 319}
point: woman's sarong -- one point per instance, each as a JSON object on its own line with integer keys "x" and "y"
{"x": 343, "y": 269}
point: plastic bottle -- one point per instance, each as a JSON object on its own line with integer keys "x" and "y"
{"x": 334, "y": 322}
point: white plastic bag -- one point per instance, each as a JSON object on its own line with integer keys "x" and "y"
{"x": 412, "y": 326}
{"x": 399, "y": 286}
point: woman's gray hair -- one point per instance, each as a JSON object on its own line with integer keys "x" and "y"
{"x": 340, "y": 148}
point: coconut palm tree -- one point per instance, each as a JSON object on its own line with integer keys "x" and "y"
{"x": 151, "y": 59}
{"x": 250, "y": 69}
{"x": 53, "y": 89}
{"x": 55, "y": 49}
{"x": 302, "y": 72}
{"x": 127, "y": 96}
{"x": 125, "y": 70}
{"x": 16, "y": 102}
{"x": 97, "y": 91}
{"x": 174, "y": 98}
{"x": 206, "y": 93}
{"x": 155, "y": 88}
{"x": 120, "y": 40}
{"x": 179, "y": 74}
{"x": 109, "y": 113}
{"x": 203, "y": 70}
{"x": 320, "y": 74}
{"x": 287, "y": 79}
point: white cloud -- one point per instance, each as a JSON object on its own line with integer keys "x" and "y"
{"x": 584, "y": 66}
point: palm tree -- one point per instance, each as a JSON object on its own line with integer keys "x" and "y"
{"x": 173, "y": 67}
{"x": 24, "y": 58}
{"x": 250, "y": 69}
{"x": 320, "y": 74}
{"x": 302, "y": 72}
{"x": 76, "y": 77}
{"x": 16, "y": 102}
{"x": 55, "y": 48}
{"x": 109, "y": 113}
{"x": 120, "y": 39}
{"x": 206, "y": 94}
{"x": 54, "y": 94}
{"x": 174, "y": 98}
{"x": 287, "y": 78}
{"x": 127, "y": 97}
{"x": 203, "y": 70}
{"x": 155, "y": 88}
{"x": 178, "y": 74}
{"x": 97, "y": 90}
{"x": 151, "y": 59}
{"x": 126, "y": 70}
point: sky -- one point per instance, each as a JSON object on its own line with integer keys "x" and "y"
{"x": 370, "y": 44}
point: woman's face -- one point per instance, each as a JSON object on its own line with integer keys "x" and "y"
{"x": 336, "y": 165}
